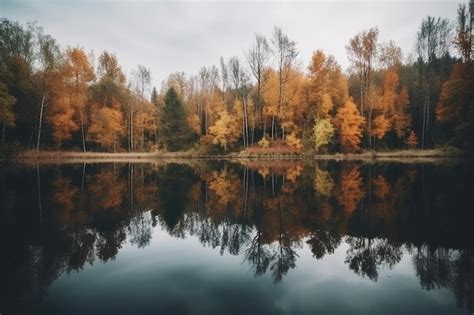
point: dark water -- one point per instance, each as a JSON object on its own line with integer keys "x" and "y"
{"x": 224, "y": 238}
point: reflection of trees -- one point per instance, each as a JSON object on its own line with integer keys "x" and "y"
{"x": 441, "y": 267}
{"x": 366, "y": 256}
{"x": 323, "y": 242}
{"x": 262, "y": 212}
{"x": 140, "y": 229}
{"x": 323, "y": 182}
{"x": 350, "y": 189}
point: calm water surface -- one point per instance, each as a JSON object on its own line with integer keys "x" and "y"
{"x": 227, "y": 238}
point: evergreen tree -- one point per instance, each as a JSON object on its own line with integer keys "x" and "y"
{"x": 174, "y": 128}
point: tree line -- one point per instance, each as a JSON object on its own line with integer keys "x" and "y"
{"x": 66, "y": 98}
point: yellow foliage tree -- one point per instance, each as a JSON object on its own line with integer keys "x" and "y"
{"x": 293, "y": 141}
{"x": 225, "y": 130}
{"x": 107, "y": 127}
{"x": 323, "y": 133}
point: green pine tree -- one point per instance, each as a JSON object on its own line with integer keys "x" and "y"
{"x": 174, "y": 128}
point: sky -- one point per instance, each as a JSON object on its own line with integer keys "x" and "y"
{"x": 172, "y": 36}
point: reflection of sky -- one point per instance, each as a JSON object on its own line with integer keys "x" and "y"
{"x": 174, "y": 275}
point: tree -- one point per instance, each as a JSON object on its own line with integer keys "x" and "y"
{"x": 108, "y": 100}
{"x": 60, "y": 112}
{"x": 385, "y": 104}
{"x": 18, "y": 77}
{"x": 327, "y": 86}
{"x": 390, "y": 55}
{"x": 142, "y": 81}
{"x": 240, "y": 80}
{"x": 107, "y": 127}
{"x": 49, "y": 55}
{"x": 455, "y": 108}
{"x": 349, "y": 123}
{"x": 7, "y": 116}
{"x": 323, "y": 133}
{"x": 17, "y": 41}
{"x": 412, "y": 140}
{"x": 432, "y": 44}
{"x": 401, "y": 118}
{"x": 285, "y": 53}
{"x": 463, "y": 38}
{"x": 78, "y": 73}
{"x": 257, "y": 58}
{"x": 381, "y": 126}
{"x": 225, "y": 130}
{"x": 362, "y": 50}
{"x": 174, "y": 129}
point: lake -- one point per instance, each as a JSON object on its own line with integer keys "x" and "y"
{"x": 221, "y": 237}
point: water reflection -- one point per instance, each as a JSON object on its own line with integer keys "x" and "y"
{"x": 58, "y": 219}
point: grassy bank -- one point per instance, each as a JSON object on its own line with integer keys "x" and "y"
{"x": 97, "y": 157}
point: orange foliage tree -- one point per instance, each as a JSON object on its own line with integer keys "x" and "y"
{"x": 78, "y": 73}
{"x": 350, "y": 125}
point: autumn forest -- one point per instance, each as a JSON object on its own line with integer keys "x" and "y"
{"x": 68, "y": 98}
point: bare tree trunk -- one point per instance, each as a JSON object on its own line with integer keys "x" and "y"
{"x": 82, "y": 132}
{"x": 370, "y": 126}
{"x": 252, "y": 140}
{"x": 243, "y": 130}
{"x": 205, "y": 122}
{"x": 3, "y": 132}
{"x": 264, "y": 127}
{"x": 246, "y": 122}
{"x": 273, "y": 127}
{"x": 142, "y": 127}
{"x": 131, "y": 127}
{"x": 40, "y": 123}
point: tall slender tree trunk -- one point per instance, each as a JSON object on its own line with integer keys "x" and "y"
{"x": 40, "y": 123}
{"x": 264, "y": 127}
{"x": 82, "y": 132}
{"x": 142, "y": 126}
{"x": 243, "y": 130}
{"x": 252, "y": 140}
{"x": 3, "y": 132}
{"x": 246, "y": 122}
{"x": 131, "y": 127}
{"x": 370, "y": 126}
{"x": 273, "y": 127}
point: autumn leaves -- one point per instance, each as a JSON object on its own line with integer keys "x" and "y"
{"x": 269, "y": 102}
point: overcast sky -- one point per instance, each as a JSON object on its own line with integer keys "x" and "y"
{"x": 170, "y": 36}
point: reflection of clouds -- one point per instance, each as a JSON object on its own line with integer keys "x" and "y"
{"x": 266, "y": 223}
{"x": 157, "y": 37}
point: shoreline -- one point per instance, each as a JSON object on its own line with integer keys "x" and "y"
{"x": 406, "y": 156}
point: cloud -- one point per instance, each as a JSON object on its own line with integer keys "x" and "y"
{"x": 183, "y": 36}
